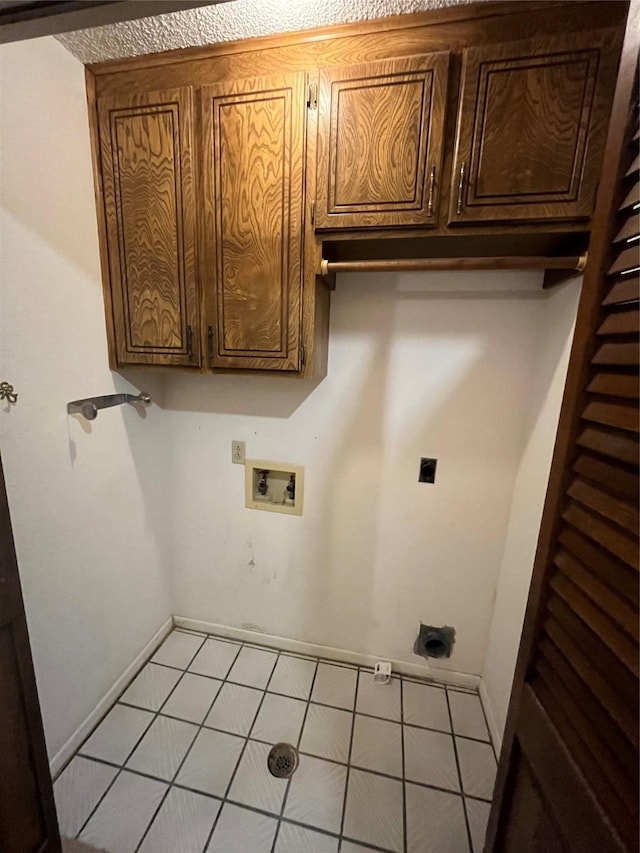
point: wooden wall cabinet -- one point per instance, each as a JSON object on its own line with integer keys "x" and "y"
{"x": 380, "y": 139}
{"x": 146, "y": 149}
{"x": 253, "y": 170}
{"x": 226, "y": 174}
{"x": 532, "y": 121}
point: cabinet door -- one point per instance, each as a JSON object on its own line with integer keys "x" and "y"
{"x": 531, "y": 127}
{"x": 380, "y": 133}
{"x": 253, "y": 136}
{"x": 147, "y": 178}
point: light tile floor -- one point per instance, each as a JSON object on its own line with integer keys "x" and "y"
{"x": 179, "y": 764}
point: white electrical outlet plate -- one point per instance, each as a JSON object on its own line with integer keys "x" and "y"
{"x": 237, "y": 452}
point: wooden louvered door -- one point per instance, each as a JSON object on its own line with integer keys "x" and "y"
{"x": 28, "y": 821}
{"x": 568, "y": 778}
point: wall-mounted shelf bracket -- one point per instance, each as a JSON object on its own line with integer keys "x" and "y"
{"x": 90, "y": 406}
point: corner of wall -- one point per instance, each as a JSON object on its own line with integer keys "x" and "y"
{"x": 512, "y": 591}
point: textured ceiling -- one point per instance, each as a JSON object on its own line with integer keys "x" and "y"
{"x": 228, "y": 21}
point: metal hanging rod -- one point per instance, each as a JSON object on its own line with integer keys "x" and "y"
{"x": 576, "y": 262}
{"x": 90, "y": 406}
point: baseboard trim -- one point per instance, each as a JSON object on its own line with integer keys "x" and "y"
{"x": 494, "y": 729}
{"x": 423, "y": 671}
{"x": 65, "y": 753}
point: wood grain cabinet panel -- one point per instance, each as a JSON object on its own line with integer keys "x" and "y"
{"x": 253, "y": 138}
{"x": 380, "y": 141}
{"x": 531, "y": 126}
{"x": 147, "y": 179}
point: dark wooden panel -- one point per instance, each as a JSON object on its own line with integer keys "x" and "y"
{"x": 599, "y": 685}
{"x": 27, "y": 811}
{"x": 626, "y": 289}
{"x": 381, "y": 132}
{"x": 619, "y": 576}
{"x": 604, "y": 726}
{"x": 612, "y": 507}
{"x": 634, "y": 167}
{"x": 549, "y": 98}
{"x": 615, "y": 445}
{"x": 147, "y": 177}
{"x": 626, "y": 259}
{"x": 579, "y": 652}
{"x": 603, "y": 659}
{"x": 622, "y": 355}
{"x": 610, "y": 414}
{"x": 622, "y": 323}
{"x": 596, "y": 762}
{"x": 253, "y": 185}
{"x": 615, "y": 385}
{"x": 614, "y": 540}
{"x": 632, "y": 198}
{"x": 614, "y": 478}
{"x": 527, "y": 827}
{"x": 585, "y": 827}
{"x": 602, "y": 627}
{"x": 22, "y": 825}
{"x": 618, "y": 610}
{"x": 630, "y": 228}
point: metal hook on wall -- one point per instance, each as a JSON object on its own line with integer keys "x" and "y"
{"x": 90, "y": 406}
{"x": 7, "y": 392}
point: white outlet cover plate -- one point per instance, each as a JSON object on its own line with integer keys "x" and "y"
{"x": 238, "y": 452}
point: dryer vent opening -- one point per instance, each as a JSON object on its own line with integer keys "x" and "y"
{"x": 433, "y": 642}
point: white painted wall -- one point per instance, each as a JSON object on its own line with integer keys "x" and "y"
{"x": 122, "y": 524}
{"x": 87, "y": 506}
{"x": 556, "y": 333}
{"x": 435, "y": 365}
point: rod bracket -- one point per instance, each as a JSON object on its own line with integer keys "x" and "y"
{"x": 90, "y": 406}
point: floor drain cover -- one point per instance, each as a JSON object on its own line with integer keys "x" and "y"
{"x": 282, "y": 760}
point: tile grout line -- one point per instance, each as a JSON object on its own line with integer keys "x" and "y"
{"x": 247, "y": 738}
{"x": 195, "y": 737}
{"x": 319, "y": 704}
{"x": 306, "y": 754}
{"x": 404, "y": 774}
{"x": 254, "y": 809}
{"x": 346, "y": 782}
{"x": 144, "y": 664}
{"x": 455, "y": 752}
{"x": 156, "y": 714}
{"x": 304, "y": 722}
{"x": 426, "y": 680}
{"x": 242, "y": 752}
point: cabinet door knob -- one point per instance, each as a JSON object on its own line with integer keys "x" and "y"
{"x": 460, "y": 188}
{"x": 7, "y": 392}
{"x": 432, "y": 184}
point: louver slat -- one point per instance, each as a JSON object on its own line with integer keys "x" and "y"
{"x": 627, "y": 289}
